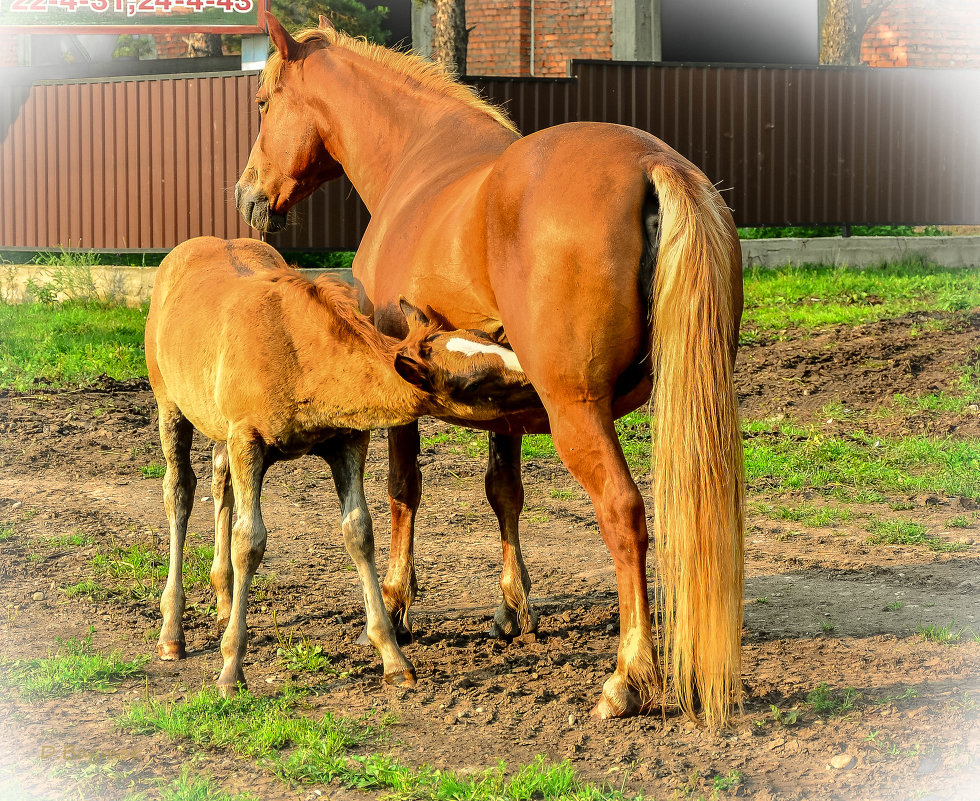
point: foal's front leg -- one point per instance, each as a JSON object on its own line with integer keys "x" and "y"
{"x": 505, "y": 491}
{"x": 247, "y": 462}
{"x": 347, "y": 466}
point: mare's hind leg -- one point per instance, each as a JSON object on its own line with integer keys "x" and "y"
{"x": 586, "y": 441}
{"x": 224, "y": 507}
{"x": 404, "y": 497}
{"x": 506, "y": 495}
{"x": 247, "y": 463}
{"x": 179, "y": 483}
{"x": 346, "y": 461}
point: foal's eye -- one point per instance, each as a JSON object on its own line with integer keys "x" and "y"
{"x": 263, "y": 103}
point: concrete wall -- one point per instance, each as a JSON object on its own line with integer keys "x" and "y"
{"x": 132, "y": 285}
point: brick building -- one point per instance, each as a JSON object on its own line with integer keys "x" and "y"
{"x": 923, "y": 33}
{"x": 540, "y": 37}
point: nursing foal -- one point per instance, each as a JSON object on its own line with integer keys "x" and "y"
{"x": 271, "y": 366}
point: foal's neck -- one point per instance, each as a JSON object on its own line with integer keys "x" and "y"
{"x": 384, "y": 128}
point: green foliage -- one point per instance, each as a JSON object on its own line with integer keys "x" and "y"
{"x": 815, "y": 296}
{"x": 329, "y": 259}
{"x": 192, "y": 788}
{"x": 74, "y": 667}
{"x": 808, "y": 231}
{"x": 906, "y": 532}
{"x": 806, "y": 514}
{"x": 70, "y": 343}
{"x": 828, "y": 702}
{"x": 784, "y": 457}
{"x": 138, "y": 571}
{"x": 944, "y": 635}
{"x": 349, "y": 16}
{"x": 153, "y": 470}
{"x": 87, "y": 588}
{"x": 284, "y": 737}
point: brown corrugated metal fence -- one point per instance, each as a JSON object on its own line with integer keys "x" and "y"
{"x": 144, "y": 163}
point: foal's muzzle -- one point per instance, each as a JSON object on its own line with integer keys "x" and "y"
{"x": 256, "y": 211}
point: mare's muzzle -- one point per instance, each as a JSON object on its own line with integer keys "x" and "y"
{"x": 256, "y": 211}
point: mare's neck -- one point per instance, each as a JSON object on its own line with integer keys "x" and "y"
{"x": 382, "y": 126}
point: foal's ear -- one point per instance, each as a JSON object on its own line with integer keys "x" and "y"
{"x": 287, "y": 46}
{"x": 413, "y": 370}
{"x": 325, "y": 24}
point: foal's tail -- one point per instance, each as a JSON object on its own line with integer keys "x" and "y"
{"x": 696, "y": 306}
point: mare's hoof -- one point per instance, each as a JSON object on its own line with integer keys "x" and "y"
{"x": 401, "y": 678}
{"x": 618, "y": 700}
{"x": 231, "y": 690}
{"x": 171, "y": 651}
{"x": 507, "y": 625}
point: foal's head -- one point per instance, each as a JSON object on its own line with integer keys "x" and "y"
{"x": 465, "y": 373}
{"x": 289, "y": 159}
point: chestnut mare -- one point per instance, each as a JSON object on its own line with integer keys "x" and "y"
{"x": 271, "y": 366}
{"x": 611, "y": 266}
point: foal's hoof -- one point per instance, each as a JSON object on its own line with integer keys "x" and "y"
{"x": 618, "y": 700}
{"x": 401, "y": 678}
{"x": 171, "y": 651}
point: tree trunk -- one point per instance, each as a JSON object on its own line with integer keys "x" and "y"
{"x": 449, "y": 35}
{"x": 202, "y": 45}
{"x": 844, "y": 27}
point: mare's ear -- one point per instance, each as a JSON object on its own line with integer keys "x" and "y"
{"x": 325, "y": 24}
{"x": 413, "y": 314}
{"x": 287, "y": 46}
{"x": 413, "y": 371}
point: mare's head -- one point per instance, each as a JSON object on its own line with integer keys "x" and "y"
{"x": 289, "y": 159}
{"x": 465, "y": 373}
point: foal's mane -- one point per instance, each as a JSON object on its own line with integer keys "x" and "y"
{"x": 339, "y": 301}
{"x": 428, "y": 74}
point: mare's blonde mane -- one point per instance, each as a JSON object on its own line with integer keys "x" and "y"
{"x": 428, "y": 74}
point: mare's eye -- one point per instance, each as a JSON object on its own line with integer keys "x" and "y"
{"x": 263, "y": 103}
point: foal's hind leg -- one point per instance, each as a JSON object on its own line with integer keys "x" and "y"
{"x": 247, "y": 462}
{"x": 506, "y": 495}
{"x": 224, "y": 508}
{"x": 179, "y": 483}
{"x": 347, "y": 466}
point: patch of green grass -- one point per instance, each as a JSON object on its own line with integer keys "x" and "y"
{"x": 153, "y": 470}
{"x": 187, "y": 787}
{"x": 825, "y": 701}
{"x": 69, "y": 343}
{"x": 944, "y": 635}
{"x": 894, "y": 606}
{"x": 7, "y": 532}
{"x": 960, "y": 521}
{"x": 808, "y": 231}
{"x": 726, "y": 783}
{"x": 87, "y": 588}
{"x": 806, "y": 514}
{"x": 815, "y": 296}
{"x": 139, "y": 572}
{"x": 76, "y": 539}
{"x": 74, "y": 667}
{"x": 906, "y": 532}
{"x": 285, "y": 738}
{"x": 562, "y": 494}
{"x": 858, "y": 468}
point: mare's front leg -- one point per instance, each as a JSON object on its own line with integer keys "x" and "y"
{"x": 224, "y": 508}
{"x": 505, "y": 491}
{"x": 404, "y": 497}
{"x": 247, "y": 463}
{"x": 179, "y": 483}
{"x": 346, "y": 461}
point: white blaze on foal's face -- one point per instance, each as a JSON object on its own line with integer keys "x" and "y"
{"x": 469, "y": 348}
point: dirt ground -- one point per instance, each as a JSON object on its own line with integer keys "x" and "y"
{"x": 817, "y": 605}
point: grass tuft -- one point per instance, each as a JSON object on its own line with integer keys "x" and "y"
{"x": 825, "y": 701}
{"x": 74, "y": 667}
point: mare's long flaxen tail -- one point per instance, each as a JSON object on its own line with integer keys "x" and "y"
{"x": 696, "y": 306}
